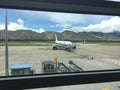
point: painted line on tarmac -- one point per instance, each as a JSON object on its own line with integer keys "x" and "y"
{"x": 114, "y": 61}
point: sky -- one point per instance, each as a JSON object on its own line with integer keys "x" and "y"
{"x": 41, "y": 21}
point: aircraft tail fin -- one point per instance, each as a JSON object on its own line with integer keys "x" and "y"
{"x": 56, "y": 38}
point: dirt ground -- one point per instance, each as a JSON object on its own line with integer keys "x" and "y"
{"x": 104, "y": 57}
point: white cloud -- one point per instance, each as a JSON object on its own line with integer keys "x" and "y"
{"x": 20, "y": 21}
{"x": 40, "y": 31}
{"x": 16, "y": 26}
{"x": 113, "y": 24}
{"x": 12, "y": 26}
{"x": 70, "y": 18}
{"x": 64, "y": 25}
{"x": 106, "y": 25}
{"x": 65, "y": 18}
{"x": 2, "y": 26}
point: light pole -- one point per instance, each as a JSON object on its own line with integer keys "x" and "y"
{"x": 6, "y": 46}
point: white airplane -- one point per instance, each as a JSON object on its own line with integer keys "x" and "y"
{"x": 63, "y": 45}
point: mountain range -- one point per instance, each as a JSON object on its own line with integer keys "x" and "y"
{"x": 65, "y": 35}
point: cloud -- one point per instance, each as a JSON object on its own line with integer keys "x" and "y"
{"x": 12, "y": 26}
{"x": 20, "y": 21}
{"x": 64, "y": 18}
{"x": 16, "y": 26}
{"x": 65, "y": 26}
{"x": 2, "y": 26}
{"x": 71, "y": 18}
{"x": 67, "y": 21}
{"x": 108, "y": 25}
{"x": 40, "y": 31}
{"x": 113, "y": 24}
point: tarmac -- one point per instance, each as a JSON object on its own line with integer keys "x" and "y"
{"x": 87, "y": 56}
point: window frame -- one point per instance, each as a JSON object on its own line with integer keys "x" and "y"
{"x": 58, "y": 79}
{"x": 100, "y": 7}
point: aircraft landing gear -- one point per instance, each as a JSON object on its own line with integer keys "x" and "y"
{"x": 54, "y": 48}
{"x": 68, "y": 49}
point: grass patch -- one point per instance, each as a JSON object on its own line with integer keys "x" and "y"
{"x": 50, "y": 43}
{"x": 105, "y": 43}
{"x": 111, "y": 44}
{"x": 26, "y": 44}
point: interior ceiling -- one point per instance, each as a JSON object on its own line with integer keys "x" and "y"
{"x": 72, "y": 6}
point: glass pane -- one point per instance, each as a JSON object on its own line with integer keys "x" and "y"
{"x": 51, "y": 42}
{"x": 2, "y": 43}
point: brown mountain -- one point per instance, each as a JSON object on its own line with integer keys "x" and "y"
{"x": 66, "y": 35}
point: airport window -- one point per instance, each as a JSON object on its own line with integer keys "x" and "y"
{"x": 45, "y": 46}
{"x": 44, "y": 41}
{"x": 2, "y": 44}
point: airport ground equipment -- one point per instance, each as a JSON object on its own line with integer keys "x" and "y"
{"x": 63, "y": 68}
{"x": 71, "y": 67}
{"x": 21, "y": 69}
{"x": 74, "y": 68}
{"x": 48, "y": 67}
{"x": 55, "y": 66}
